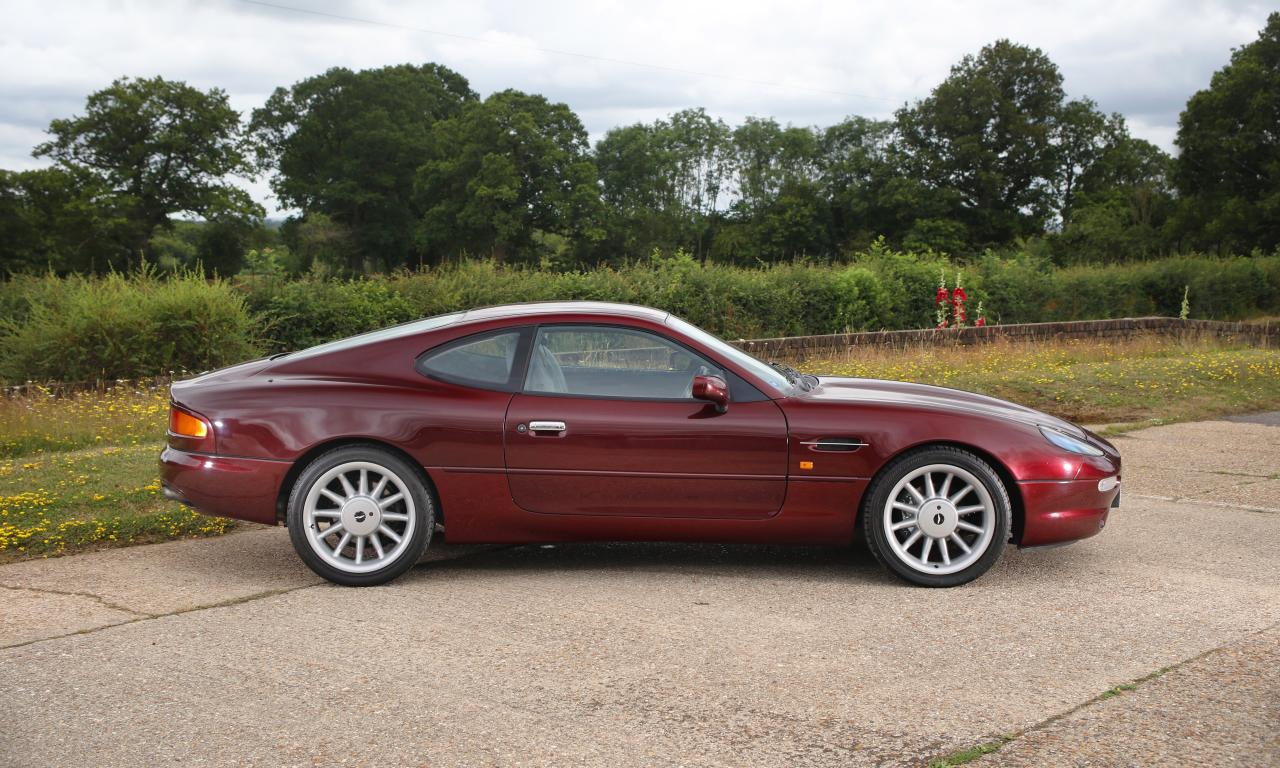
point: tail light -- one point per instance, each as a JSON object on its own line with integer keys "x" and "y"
{"x": 184, "y": 423}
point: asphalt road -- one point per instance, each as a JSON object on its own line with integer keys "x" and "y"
{"x": 229, "y": 652}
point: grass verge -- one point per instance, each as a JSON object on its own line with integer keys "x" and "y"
{"x": 1129, "y": 384}
{"x": 58, "y": 502}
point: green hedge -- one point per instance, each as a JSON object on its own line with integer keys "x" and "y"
{"x": 76, "y": 328}
{"x": 82, "y": 329}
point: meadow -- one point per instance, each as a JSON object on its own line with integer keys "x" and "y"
{"x": 78, "y": 467}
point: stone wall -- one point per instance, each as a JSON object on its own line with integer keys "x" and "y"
{"x": 800, "y": 347}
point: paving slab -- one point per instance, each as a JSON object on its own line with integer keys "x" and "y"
{"x": 174, "y": 576}
{"x": 1205, "y": 446}
{"x": 1217, "y": 710}
{"x": 228, "y": 652}
{"x": 1268, "y": 419}
{"x": 159, "y": 579}
{"x": 29, "y": 615}
{"x": 1222, "y": 462}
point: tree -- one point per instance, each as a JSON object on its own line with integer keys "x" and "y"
{"x": 61, "y": 219}
{"x": 348, "y": 145}
{"x": 1082, "y": 135}
{"x": 1122, "y": 201}
{"x": 866, "y": 176}
{"x": 157, "y": 147}
{"x": 698, "y": 147}
{"x": 766, "y": 156}
{"x": 662, "y": 183}
{"x": 637, "y": 186}
{"x": 780, "y": 209}
{"x": 1228, "y": 170}
{"x": 503, "y": 170}
{"x": 987, "y": 133}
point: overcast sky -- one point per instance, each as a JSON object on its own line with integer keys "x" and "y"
{"x": 614, "y": 61}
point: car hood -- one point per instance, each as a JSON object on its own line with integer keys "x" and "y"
{"x": 846, "y": 390}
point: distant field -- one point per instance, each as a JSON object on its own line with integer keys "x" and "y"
{"x": 78, "y": 470}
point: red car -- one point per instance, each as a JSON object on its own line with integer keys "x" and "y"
{"x": 582, "y": 421}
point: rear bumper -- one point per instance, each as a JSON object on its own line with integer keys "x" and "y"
{"x": 223, "y": 486}
{"x": 1063, "y": 511}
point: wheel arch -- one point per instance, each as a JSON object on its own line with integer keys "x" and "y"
{"x": 1017, "y": 509}
{"x": 301, "y": 463}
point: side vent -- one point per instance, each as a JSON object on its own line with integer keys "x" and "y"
{"x": 834, "y": 444}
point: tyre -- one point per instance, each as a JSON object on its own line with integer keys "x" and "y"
{"x": 360, "y": 516}
{"x": 937, "y": 517}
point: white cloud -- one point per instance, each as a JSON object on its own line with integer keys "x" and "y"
{"x": 820, "y": 60}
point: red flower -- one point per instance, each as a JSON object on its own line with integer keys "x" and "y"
{"x": 942, "y": 296}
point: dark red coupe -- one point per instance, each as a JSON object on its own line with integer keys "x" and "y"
{"x": 581, "y": 421}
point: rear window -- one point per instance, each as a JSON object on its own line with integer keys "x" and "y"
{"x": 486, "y": 361}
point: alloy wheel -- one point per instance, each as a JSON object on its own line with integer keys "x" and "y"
{"x": 359, "y": 516}
{"x": 939, "y": 519}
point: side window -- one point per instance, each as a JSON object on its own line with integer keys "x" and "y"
{"x": 603, "y": 361}
{"x": 484, "y": 361}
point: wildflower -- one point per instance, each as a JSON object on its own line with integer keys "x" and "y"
{"x": 958, "y": 298}
{"x": 941, "y": 299}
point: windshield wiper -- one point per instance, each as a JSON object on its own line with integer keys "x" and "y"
{"x": 801, "y": 380}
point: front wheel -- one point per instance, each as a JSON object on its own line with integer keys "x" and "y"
{"x": 360, "y": 516}
{"x": 937, "y": 517}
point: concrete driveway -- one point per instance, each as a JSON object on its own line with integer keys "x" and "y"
{"x": 228, "y": 652}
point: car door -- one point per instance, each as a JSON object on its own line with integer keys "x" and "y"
{"x": 605, "y": 425}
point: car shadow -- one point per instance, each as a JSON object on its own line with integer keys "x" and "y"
{"x": 822, "y": 564}
{"x": 850, "y": 564}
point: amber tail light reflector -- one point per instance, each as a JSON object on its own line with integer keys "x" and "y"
{"x": 186, "y": 424}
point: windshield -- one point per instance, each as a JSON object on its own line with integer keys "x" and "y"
{"x": 763, "y": 371}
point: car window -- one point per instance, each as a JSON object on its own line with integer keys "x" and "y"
{"x": 484, "y": 361}
{"x": 603, "y": 361}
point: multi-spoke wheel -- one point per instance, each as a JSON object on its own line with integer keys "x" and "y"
{"x": 360, "y": 516}
{"x": 937, "y": 517}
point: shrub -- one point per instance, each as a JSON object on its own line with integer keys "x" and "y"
{"x": 82, "y": 329}
{"x": 307, "y": 312}
{"x": 123, "y": 326}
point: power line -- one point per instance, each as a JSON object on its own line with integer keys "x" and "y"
{"x": 558, "y": 52}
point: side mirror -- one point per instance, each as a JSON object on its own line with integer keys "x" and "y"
{"x": 713, "y": 389}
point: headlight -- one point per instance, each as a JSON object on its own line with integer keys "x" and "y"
{"x": 1068, "y": 443}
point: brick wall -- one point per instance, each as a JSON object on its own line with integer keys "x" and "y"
{"x": 800, "y": 347}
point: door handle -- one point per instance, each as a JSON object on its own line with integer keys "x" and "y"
{"x": 546, "y": 426}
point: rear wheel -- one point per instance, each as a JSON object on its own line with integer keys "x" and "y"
{"x": 937, "y": 517}
{"x": 360, "y": 516}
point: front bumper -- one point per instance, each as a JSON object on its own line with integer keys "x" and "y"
{"x": 223, "y": 486}
{"x": 1061, "y": 511}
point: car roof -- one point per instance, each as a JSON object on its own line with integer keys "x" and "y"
{"x": 501, "y": 312}
{"x": 541, "y": 308}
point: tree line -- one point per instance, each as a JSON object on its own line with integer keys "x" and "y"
{"x": 406, "y": 166}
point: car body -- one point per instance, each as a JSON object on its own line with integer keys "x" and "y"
{"x": 582, "y": 421}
